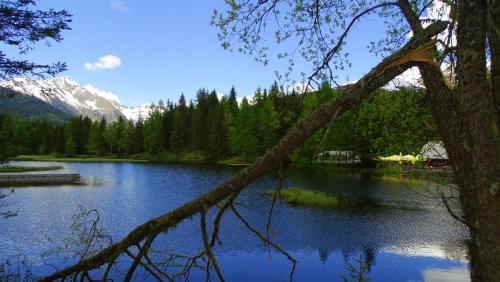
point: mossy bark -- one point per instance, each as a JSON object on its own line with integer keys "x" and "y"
{"x": 351, "y": 96}
{"x": 467, "y": 120}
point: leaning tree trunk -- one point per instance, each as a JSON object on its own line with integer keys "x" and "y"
{"x": 350, "y": 97}
{"x": 466, "y": 117}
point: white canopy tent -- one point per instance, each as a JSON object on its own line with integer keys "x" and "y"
{"x": 434, "y": 150}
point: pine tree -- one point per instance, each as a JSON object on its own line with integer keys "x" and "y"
{"x": 96, "y": 139}
{"x": 180, "y": 127}
{"x": 231, "y": 111}
{"x": 137, "y": 137}
{"x": 6, "y": 134}
{"x": 111, "y": 136}
{"x": 168, "y": 118}
{"x": 200, "y": 126}
{"x": 125, "y": 140}
{"x": 218, "y": 142}
{"x": 70, "y": 146}
{"x": 244, "y": 137}
{"x": 154, "y": 132}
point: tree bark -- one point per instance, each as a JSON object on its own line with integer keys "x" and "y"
{"x": 467, "y": 123}
{"x": 350, "y": 97}
{"x": 494, "y": 40}
{"x": 478, "y": 165}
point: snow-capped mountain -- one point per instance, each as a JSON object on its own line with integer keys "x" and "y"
{"x": 134, "y": 113}
{"x": 67, "y": 95}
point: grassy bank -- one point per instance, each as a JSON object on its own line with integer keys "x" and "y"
{"x": 235, "y": 161}
{"x": 168, "y": 157}
{"x": 383, "y": 169}
{"x": 11, "y": 168}
{"x": 299, "y": 196}
{"x": 165, "y": 157}
{"x": 82, "y": 159}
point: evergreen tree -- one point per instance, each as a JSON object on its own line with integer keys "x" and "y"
{"x": 265, "y": 120}
{"x": 70, "y": 146}
{"x": 244, "y": 137}
{"x": 231, "y": 110}
{"x": 388, "y": 123}
{"x": 218, "y": 143}
{"x": 137, "y": 137}
{"x": 58, "y": 140}
{"x": 168, "y": 118}
{"x": 200, "y": 124}
{"x": 111, "y": 136}
{"x": 96, "y": 139}
{"x": 154, "y": 132}
{"x": 125, "y": 140}
{"x": 180, "y": 127}
{"x": 6, "y": 134}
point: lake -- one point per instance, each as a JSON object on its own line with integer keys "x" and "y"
{"x": 412, "y": 238}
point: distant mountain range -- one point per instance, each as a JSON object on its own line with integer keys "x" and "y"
{"x": 28, "y": 106}
{"x": 63, "y": 97}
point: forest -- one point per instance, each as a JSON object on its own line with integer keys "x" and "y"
{"x": 391, "y": 122}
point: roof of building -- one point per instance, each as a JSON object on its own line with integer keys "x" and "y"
{"x": 434, "y": 150}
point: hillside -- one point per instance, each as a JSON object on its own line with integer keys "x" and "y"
{"x": 28, "y": 106}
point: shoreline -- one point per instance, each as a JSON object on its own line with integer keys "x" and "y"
{"x": 7, "y": 169}
{"x": 9, "y": 180}
{"x": 384, "y": 169}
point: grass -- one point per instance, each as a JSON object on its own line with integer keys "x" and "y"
{"x": 11, "y": 168}
{"x": 164, "y": 157}
{"x": 188, "y": 157}
{"x": 235, "y": 161}
{"x": 80, "y": 159}
{"x": 191, "y": 157}
{"x": 299, "y": 196}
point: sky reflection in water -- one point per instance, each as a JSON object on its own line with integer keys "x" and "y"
{"x": 411, "y": 240}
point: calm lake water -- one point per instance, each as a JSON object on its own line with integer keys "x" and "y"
{"x": 412, "y": 239}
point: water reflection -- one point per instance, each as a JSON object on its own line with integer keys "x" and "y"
{"x": 444, "y": 275}
{"x": 358, "y": 267}
{"x": 392, "y": 244}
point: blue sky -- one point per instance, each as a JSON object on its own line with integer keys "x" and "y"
{"x": 166, "y": 48}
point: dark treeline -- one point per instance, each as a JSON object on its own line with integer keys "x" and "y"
{"x": 388, "y": 123}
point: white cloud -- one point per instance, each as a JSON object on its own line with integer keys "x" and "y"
{"x": 107, "y": 62}
{"x": 120, "y": 6}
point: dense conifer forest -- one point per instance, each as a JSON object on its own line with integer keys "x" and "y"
{"x": 391, "y": 122}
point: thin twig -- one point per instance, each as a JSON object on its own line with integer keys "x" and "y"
{"x": 269, "y": 242}
{"x": 452, "y": 213}
{"x": 208, "y": 249}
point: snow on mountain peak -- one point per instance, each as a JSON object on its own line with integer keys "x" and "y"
{"x": 67, "y": 95}
{"x": 104, "y": 94}
{"x": 134, "y": 113}
{"x": 64, "y": 80}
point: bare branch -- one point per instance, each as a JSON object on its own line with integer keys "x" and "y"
{"x": 350, "y": 97}
{"x": 451, "y": 212}
{"x": 208, "y": 248}
{"x": 266, "y": 241}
